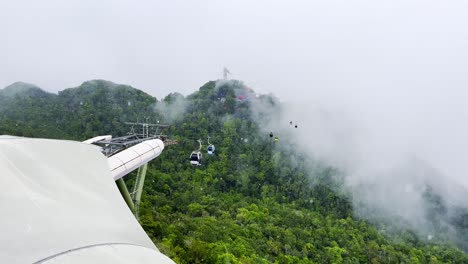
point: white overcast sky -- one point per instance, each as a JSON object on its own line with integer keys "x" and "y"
{"x": 324, "y": 47}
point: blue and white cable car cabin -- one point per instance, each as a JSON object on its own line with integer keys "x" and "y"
{"x": 196, "y": 158}
{"x": 211, "y": 149}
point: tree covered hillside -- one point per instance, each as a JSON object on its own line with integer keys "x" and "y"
{"x": 254, "y": 201}
{"x": 95, "y": 107}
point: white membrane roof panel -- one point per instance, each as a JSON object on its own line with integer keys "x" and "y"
{"x": 58, "y": 196}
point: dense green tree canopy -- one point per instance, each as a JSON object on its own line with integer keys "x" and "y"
{"x": 254, "y": 201}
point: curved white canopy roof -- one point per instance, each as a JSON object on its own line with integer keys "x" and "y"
{"x": 59, "y": 204}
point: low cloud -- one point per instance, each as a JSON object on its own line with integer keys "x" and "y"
{"x": 402, "y": 157}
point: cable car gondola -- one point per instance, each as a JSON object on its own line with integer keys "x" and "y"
{"x": 196, "y": 156}
{"x": 211, "y": 147}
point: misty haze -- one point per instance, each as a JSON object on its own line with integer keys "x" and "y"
{"x": 340, "y": 127}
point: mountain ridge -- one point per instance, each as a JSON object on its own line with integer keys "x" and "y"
{"x": 254, "y": 201}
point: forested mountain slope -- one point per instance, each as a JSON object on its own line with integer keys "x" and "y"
{"x": 254, "y": 201}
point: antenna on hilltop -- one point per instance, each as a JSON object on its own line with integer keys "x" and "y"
{"x": 225, "y": 73}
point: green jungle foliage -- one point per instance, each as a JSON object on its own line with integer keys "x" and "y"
{"x": 254, "y": 201}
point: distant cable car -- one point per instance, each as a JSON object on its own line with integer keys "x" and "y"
{"x": 211, "y": 147}
{"x": 276, "y": 138}
{"x": 271, "y": 134}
